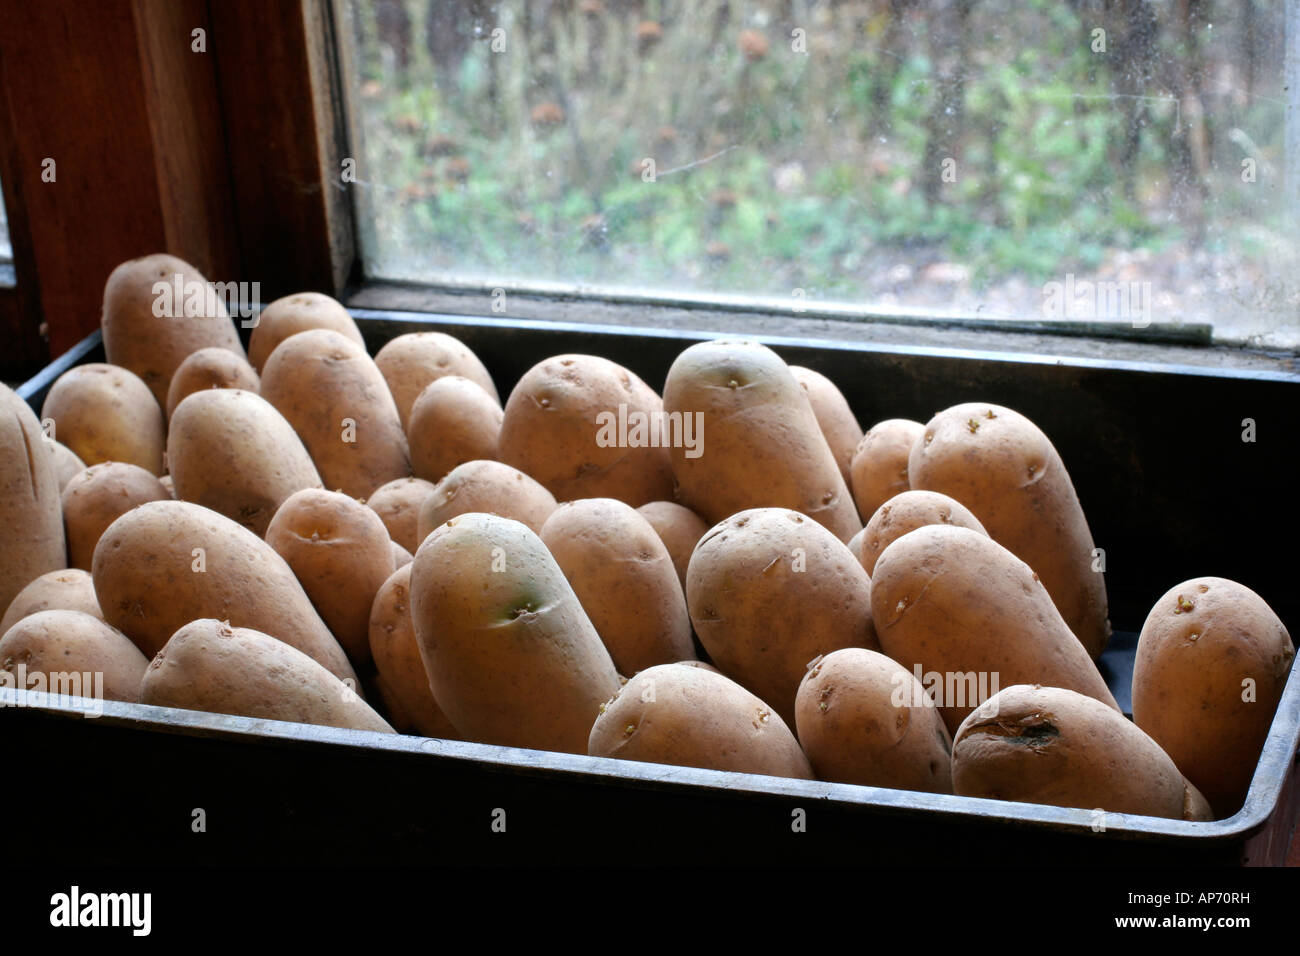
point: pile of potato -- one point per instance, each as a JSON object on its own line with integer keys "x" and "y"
{"x": 307, "y": 533}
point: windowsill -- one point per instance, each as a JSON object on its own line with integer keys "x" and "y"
{"x": 733, "y": 320}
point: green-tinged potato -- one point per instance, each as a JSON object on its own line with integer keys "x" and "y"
{"x": 878, "y": 470}
{"x": 398, "y": 505}
{"x": 410, "y": 362}
{"x": 231, "y": 451}
{"x": 838, "y": 423}
{"x": 105, "y": 413}
{"x": 97, "y": 497}
{"x": 1212, "y": 662}
{"x": 209, "y": 368}
{"x": 167, "y": 563}
{"x": 756, "y": 442}
{"x": 1053, "y": 746}
{"x": 770, "y": 589}
{"x": 953, "y": 603}
{"x": 158, "y": 310}
{"x": 906, "y": 512}
{"x": 78, "y": 654}
{"x": 300, "y": 312}
{"x": 624, "y": 577}
{"x": 31, "y": 514}
{"x": 66, "y": 462}
{"x": 489, "y": 487}
{"x": 66, "y": 590}
{"x": 694, "y": 717}
{"x": 403, "y": 680}
{"x": 1004, "y": 469}
{"x": 341, "y": 554}
{"x": 211, "y": 666}
{"x": 452, "y": 421}
{"x": 863, "y": 719}
{"x": 510, "y": 654}
{"x": 679, "y": 528}
{"x": 586, "y": 427}
{"x": 401, "y": 557}
{"x": 334, "y": 397}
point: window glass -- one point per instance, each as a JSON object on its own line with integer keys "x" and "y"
{"x": 991, "y": 158}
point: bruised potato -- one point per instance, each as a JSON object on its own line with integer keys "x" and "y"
{"x": 341, "y": 554}
{"x": 330, "y": 391}
{"x": 31, "y": 515}
{"x": 398, "y": 505}
{"x": 105, "y": 413}
{"x": 1053, "y": 746}
{"x": 1212, "y": 663}
{"x": 953, "y": 603}
{"x": 906, "y": 512}
{"x": 62, "y": 642}
{"x": 210, "y": 666}
{"x": 758, "y": 444}
{"x": 66, "y": 590}
{"x": 838, "y": 423}
{"x": 231, "y": 451}
{"x": 679, "y": 528}
{"x": 878, "y": 470}
{"x": 1002, "y": 467}
{"x": 863, "y": 719}
{"x": 209, "y": 368}
{"x": 694, "y": 717}
{"x": 770, "y": 589}
{"x": 586, "y": 427}
{"x": 452, "y": 421}
{"x": 158, "y": 310}
{"x": 97, "y": 497}
{"x": 511, "y": 656}
{"x": 624, "y": 577}
{"x": 489, "y": 487}
{"x": 410, "y": 362}
{"x": 296, "y": 313}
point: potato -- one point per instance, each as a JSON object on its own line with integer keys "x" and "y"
{"x": 489, "y": 487}
{"x": 31, "y": 516}
{"x": 1003, "y": 468}
{"x": 397, "y": 503}
{"x": 66, "y": 462}
{"x": 410, "y": 362}
{"x": 60, "y": 644}
{"x": 150, "y": 330}
{"x": 67, "y": 590}
{"x": 211, "y": 666}
{"x": 1054, "y": 746}
{"x": 452, "y": 421}
{"x": 624, "y": 577}
{"x": 209, "y": 368}
{"x": 679, "y": 528}
{"x": 340, "y": 553}
{"x": 878, "y": 470}
{"x": 396, "y": 652}
{"x": 769, "y": 589}
{"x": 863, "y": 719}
{"x": 104, "y": 413}
{"x": 167, "y": 563}
{"x": 757, "y": 442}
{"x": 906, "y": 512}
{"x": 953, "y": 603}
{"x": 401, "y": 557}
{"x": 586, "y": 427}
{"x": 511, "y": 656}
{"x": 693, "y": 717}
{"x": 1212, "y": 663}
{"x": 97, "y": 497}
{"x": 855, "y": 545}
{"x": 334, "y": 397}
{"x": 167, "y": 483}
{"x": 837, "y": 422}
{"x": 231, "y": 451}
{"x": 296, "y": 313}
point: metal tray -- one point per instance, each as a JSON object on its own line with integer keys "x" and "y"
{"x": 1170, "y": 489}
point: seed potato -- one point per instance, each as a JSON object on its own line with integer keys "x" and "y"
{"x": 209, "y": 368}
{"x": 105, "y": 413}
{"x": 452, "y": 421}
{"x": 410, "y": 362}
{"x": 31, "y": 515}
{"x": 489, "y": 487}
{"x": 878, "y": 470}
{"x": 397, "y": 503}
{"x": 97, "y": 497}
{"x": 906, "y": 512}
{"x": 66, "y": 590}
{"x": 679, "y": 528}
{"x": 837, "y": 422}
{"x": 67, "y": 642}
{"x": 300, "y": 312}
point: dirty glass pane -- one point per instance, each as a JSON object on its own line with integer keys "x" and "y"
{"x": 991, "y": 158}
